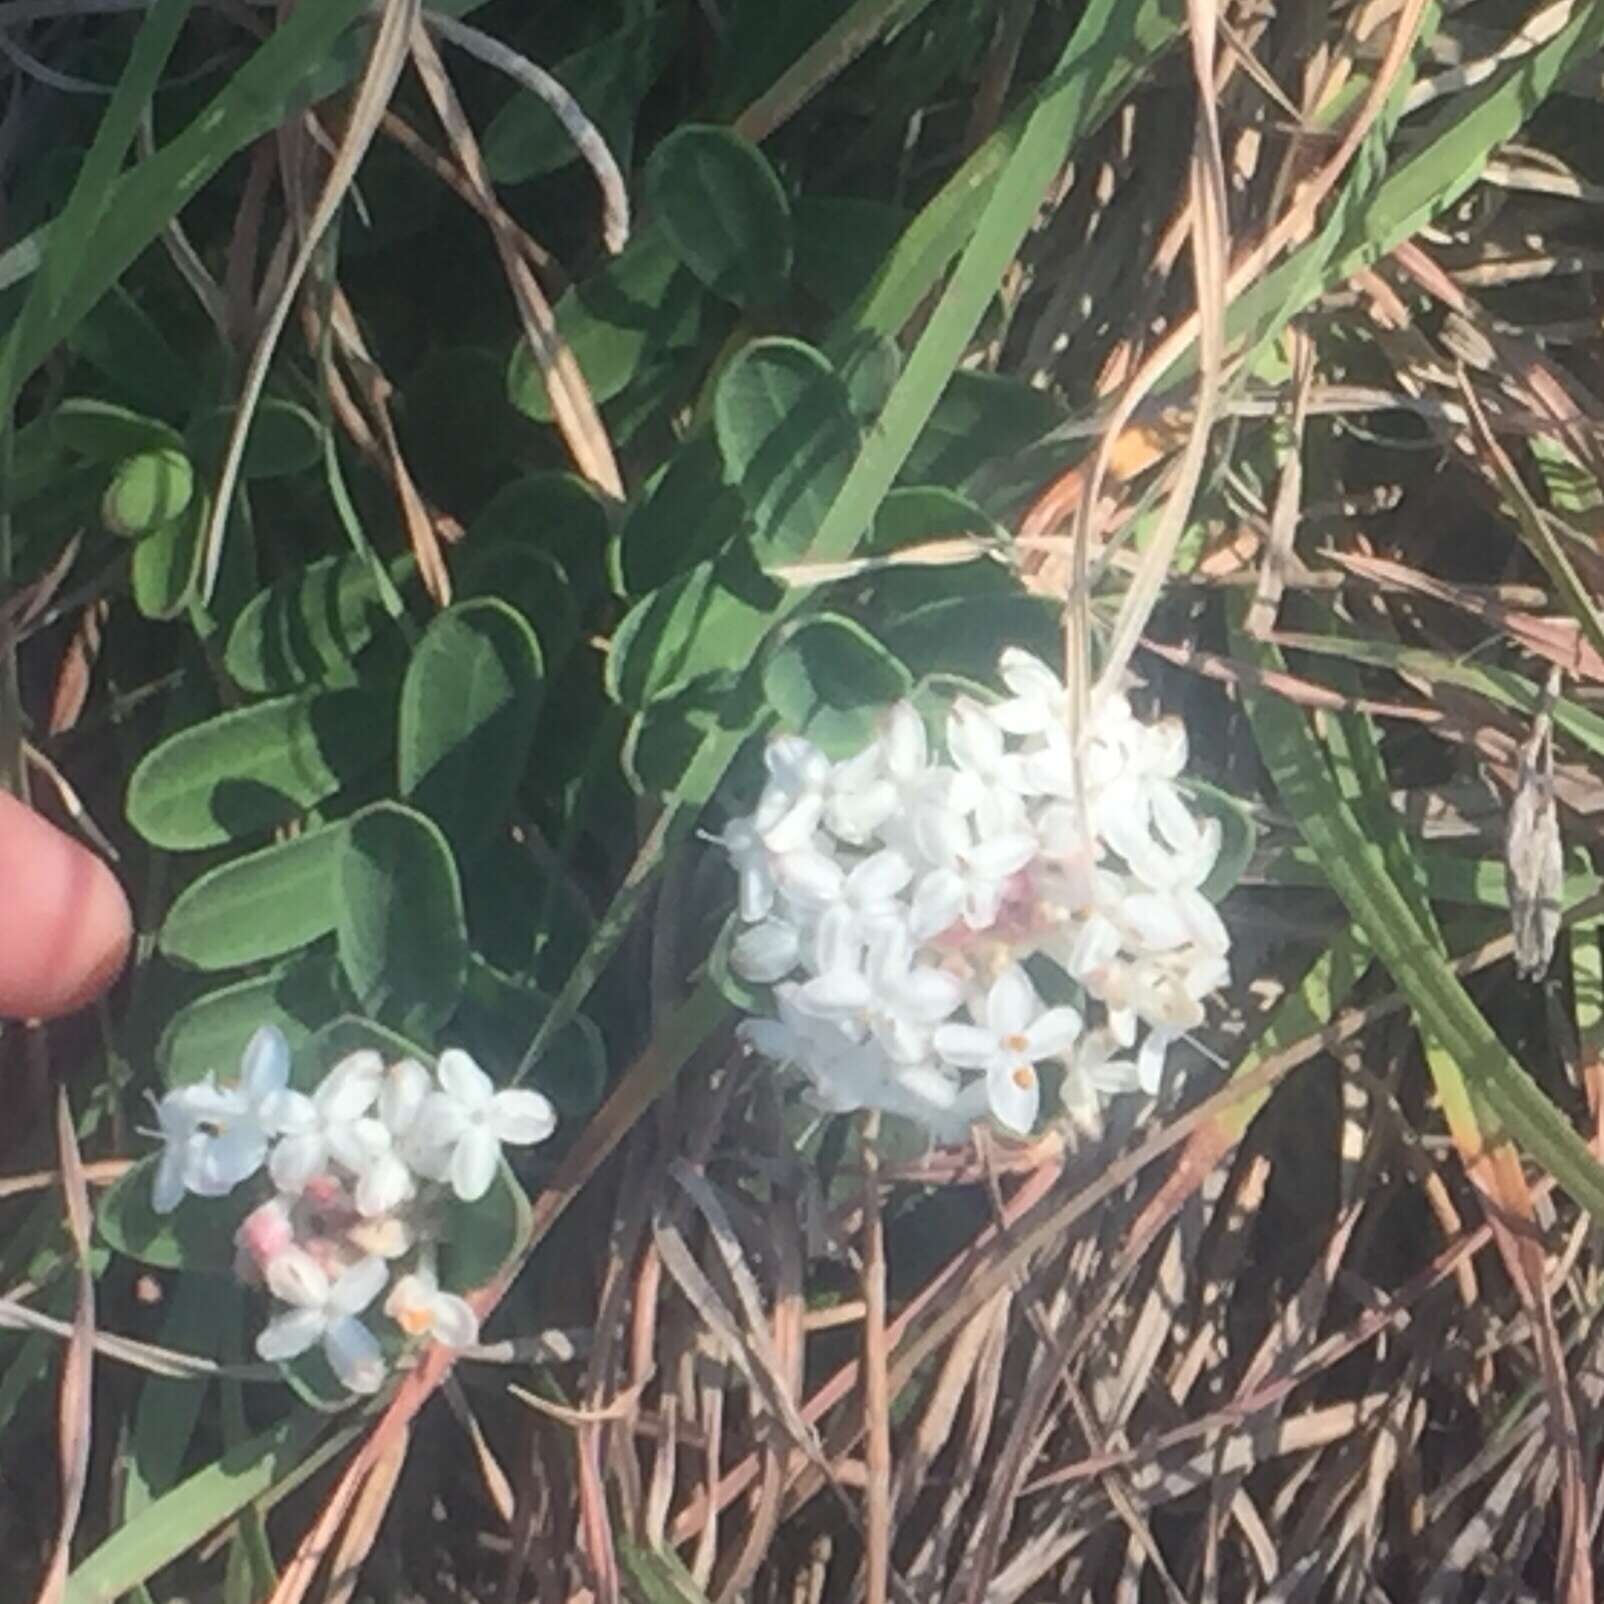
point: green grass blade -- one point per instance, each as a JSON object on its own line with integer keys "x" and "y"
{"x": 1506, "y": 1099}
{"x": 175, "y": 1522}
{"x": 1115, "y": 43}
{"x": 141, "y": 203}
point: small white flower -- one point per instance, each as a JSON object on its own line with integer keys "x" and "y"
{"x": 333, "y": 1125}
{"x": 895, "y": 998}
{"x": 217, "y": 1136}
{"x": 766, "y": 952}
{"x": 1017, "y": 1035}
{"x": 420, "y": 1308}
{"x": 461, "y": 1128}
{"x": 325, "y": 1311}
{"x": 971, "y": 890}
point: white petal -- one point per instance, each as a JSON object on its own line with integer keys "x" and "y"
{"x": 358, "y": 1144}
{"x": 1012, "y": 1002}
{"x": 1096, "y": 943}
{"x": 1156, "y": 921}
{"x": 384, "y": 1185}
{"x": 289, "y": 1334}
{"x": 855, "y": 813}
{"x": 520, "y": 1117}
{"x": 473, "y": 1163}
{"x": 1028, "y": 676}
{"x": 1206, "y": 974}
{"x": 1002, "y": 855}
{"x": 1150, "y": 1061}
{"x": 354, "y": 1355}
{"x": 967, "y": 1046}
{"x": 1173, "y": 819}
{"x": 359, "y": 1286}
{"x": 796, "y": 763}
{"x": 352, "y": 1086}
{"x": 940, "y": 832}
{"x": 810, "y": 877}
{"x": 462, "y": 1079}
{"x": 974, "y": 741}
{"x": 938, "y": 903}
{"x": 233, "y": 1157}
{"x": 794, "y": 828}
{"x": 406, "y": 1086}
{"x": 1203, "y": 921}
{"x": 265, "y": 1066}
{"x": 454, "y": 1324}
{"x": 289, "y": 1113}
{"x": 294, "y": 1276}
{"x": 835, "y": 992}
{"x": 1014, "y": 1094}
{"x": 168, "y": 1190}
{"x": 1052, "y": 1033}
{"x": 929, "y": 995}
{"x": 441, "y": 1120}
{"x": 296, "y": 1159}
{"x": 837, "y": 942}
{"x": 906, "y": 747}
{"x": 756, "y": 892}
{"x": 879, "y": 878}
{"x": 766, "y": 952}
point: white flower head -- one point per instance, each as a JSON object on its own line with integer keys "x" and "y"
{"x": 217, "y": 1136}
{"x": 890, "y": 898}
{"x": 325, "y": 1311}
{"x": 461, "y": 1128}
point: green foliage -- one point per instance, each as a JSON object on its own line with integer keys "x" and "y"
{"x": 469, "y": 703}
{"x": 240, "y": 774}
{"x": 724, "y": 212}
{"x": 402, "y": 939}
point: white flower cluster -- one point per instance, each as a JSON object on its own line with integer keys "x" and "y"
{"x": 360, "y": 1169}
{"x": 892, "y": 898}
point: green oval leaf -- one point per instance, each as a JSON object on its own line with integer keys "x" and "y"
{"x": 283, "y": 439}
{"x": 401, "y": 937}
{"x": 479, "y": 1239}
{"x": 501, "y": 1015}
{"x": 724, "y": 211}
{"x": 694, "y": 625}
{"x": 197, "y": 1235}
{"x": 688, "y": 514}
{"x": 166, "y": 562}
{"x": 106, "y": 432}
{"x": 208, "y": 1035}
{"x": 306, "y": 628}
{"x": 245, "y": 772}
{"x": 785, "y": 428}
{"x": 468, "y": 708}
{"x": 919, "y": 513}
{"x": 147, "y": 491}
{"x": 830, "y": 679}
{"x": 260, "y": 906}
{"x": 641, "y": 303}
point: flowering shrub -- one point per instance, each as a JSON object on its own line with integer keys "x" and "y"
{"x": 893, "y": 899}
{"x": 361, "y": 1170}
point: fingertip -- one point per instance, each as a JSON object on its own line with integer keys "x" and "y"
{"x": 65, "y": 923}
